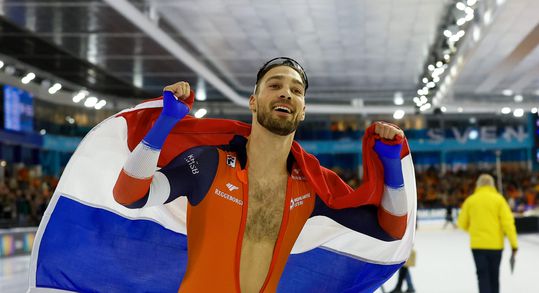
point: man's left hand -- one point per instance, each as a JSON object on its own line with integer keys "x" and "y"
{"x": 387, "y": 131}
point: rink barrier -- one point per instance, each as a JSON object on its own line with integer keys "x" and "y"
{"x": 16, "y": 241}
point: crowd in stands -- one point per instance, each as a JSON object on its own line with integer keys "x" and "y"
{"x": 24, "y": 195}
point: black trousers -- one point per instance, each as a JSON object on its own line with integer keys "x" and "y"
{"x": 487, "y": 263}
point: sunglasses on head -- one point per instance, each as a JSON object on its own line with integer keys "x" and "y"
{"x": 280, "y": 61}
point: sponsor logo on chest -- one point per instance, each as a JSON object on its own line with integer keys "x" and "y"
{"x": 298, "y": 201}
{"x": 227, "y": 196}
{"x": 231, "y": 160}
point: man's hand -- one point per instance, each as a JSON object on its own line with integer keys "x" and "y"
{"x": 387, "y": 131}
{"x": 181, "y": 90}
{"x": 173, "y": 97}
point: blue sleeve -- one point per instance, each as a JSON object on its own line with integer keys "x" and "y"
{"x": 390, "y": 157}
{"x": 192, "y": 173}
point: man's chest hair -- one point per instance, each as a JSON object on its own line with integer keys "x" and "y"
{"x": 265, "y": 210}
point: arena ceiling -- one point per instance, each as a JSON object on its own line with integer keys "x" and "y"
{"x": 358, "y": 54}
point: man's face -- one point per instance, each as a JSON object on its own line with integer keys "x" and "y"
{"x": 279, "y": 104}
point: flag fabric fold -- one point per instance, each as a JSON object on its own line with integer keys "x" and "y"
{"x": 87, "y": 242}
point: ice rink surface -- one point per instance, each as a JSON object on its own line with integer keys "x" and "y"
{"x": 444, "y": 264}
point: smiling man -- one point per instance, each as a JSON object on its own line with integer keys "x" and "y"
{"x": 248, "y": 200}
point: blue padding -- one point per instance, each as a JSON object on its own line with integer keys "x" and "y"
{"x": 159, "y": 132}
{"x": 388, "y": 151}
{"x": 86, "y": 249}
{"x": 340, "y": 273}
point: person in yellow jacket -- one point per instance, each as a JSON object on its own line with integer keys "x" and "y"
{"x": 487, "y": 217}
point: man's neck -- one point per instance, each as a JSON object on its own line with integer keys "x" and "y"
{"x": 267, "y": 152}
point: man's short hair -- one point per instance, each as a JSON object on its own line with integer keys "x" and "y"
{"x": 485, "y": 180}
{"x": 281, "y": 61}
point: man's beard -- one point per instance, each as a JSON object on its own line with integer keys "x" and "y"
{"x": 277, "y": 126}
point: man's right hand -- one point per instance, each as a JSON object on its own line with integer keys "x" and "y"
{"x": 173, "y": 97}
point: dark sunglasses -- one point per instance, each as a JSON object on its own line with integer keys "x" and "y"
{"x": 280, "y": 61}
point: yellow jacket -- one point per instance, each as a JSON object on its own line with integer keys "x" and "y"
{"x": 487, "y": 217}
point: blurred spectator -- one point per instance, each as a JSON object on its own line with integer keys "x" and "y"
{"x": 24, "y": 196}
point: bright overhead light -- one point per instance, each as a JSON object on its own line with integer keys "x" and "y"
{"x": 423, "y": 99}
{"x": 519, "y": 112}
{"x": 487, "y": 17}
{"x": 469, "y": 10}
{"x": 436, "y": 79}
{"x": 54, "y": 88}
{"x": 416, "y": 100}
{"x": 446, "y": 57}
{"x": 461, "y": 21}
{"x": 460, "y": 6}
{"x": 100, "y": 104}
{"x": 200, "y": 94}
{"x": 443, "y": 109}
{"x": 534, "y": 110}
{"x": 431, "y": 84}
{"x": 461, "y": 33}
{"x": 398, "y": 99}
{"x": 469, "y": 16}
{"x": 70, "y": 120}
{"x": 439, "y": 64}
{"x": 80, "y": 96}
{"x": 471, "y": 2}
{"x": 43, "y": 131}
{"x": 460, "y": 109}
{"x": 1, "y": 63}
{"x": 507, "y": 92}
{"x": 398, "y": 114}
{"x": 28, "y": 78}
{"x": 200, "y": 113}
{"x": 90, "y": 102}
{"x": 518, "y": 98}
{"x": 431, "y": 67}
{"x": 448, "y": 33}
{"x": 425, "y": 107}
{"x": 506, "y": 110}
{"x": 425, "y": 80}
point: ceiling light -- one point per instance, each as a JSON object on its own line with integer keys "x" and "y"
{"x": 507, "y": 92}
{"x": 200, "y": 94}
{"x": 90, "y": 102}
{"x": 471, "y": 2}
{"x": 439, "y": 64}
{"x": 425, "y": 80}
{"x": 416, "y": 100}
{"x": 425, "y": 107}
{"x": 461, "y": 21}
{"x": 1, "y": 63}
{"x": 70, "y": 120}
{"x": 398, "y": 100}
{"x": 534, "y": 110}
{"x": 431, "y": 67}
{"x": 43, "y": 131}
{"x": 431, "y": 84}
{"x": 200, "y": 113}
{"x": 423, "y": 99}
{"x": 461, "y": 33}
{"x": 448, "y": 33}
{"x": 436, "y": 79}
{"x": 469, "y": 10}
{"x": 398, "y": 114}
{"x": 54, "y": 88}
{"x": 28, "y": 78}
{"x": 487, "y": 17}
{"x": 506, "y": 110}
{"x": 518, "y": 98}
{"x": 472, "y": 120}
{"x": 460, "y": 109}
{"x": 519, "y": 112}
{"x": 80, "y": 96}
{"x": 443, "y": 109}
{"x": 460, "y": 6}
{"x": 446, "y": 57}
{"x": 469, "y": 16}
{"x": 100, "y": 104}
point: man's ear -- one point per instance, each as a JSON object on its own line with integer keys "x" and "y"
{"x": 252, "y": 103}
{"x": 303, "y": 114}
